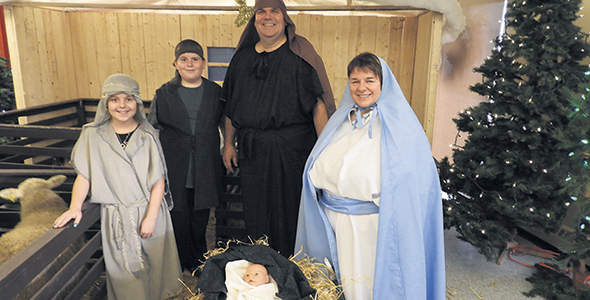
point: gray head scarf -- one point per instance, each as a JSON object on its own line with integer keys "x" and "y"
{"x": 115, "y": 84}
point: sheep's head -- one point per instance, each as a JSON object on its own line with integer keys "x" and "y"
{"x": 31, "y": 184}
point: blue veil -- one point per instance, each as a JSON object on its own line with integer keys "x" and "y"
{"x": 410, "y": 246}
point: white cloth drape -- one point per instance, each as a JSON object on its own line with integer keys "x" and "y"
{"x": 455, "y": 20}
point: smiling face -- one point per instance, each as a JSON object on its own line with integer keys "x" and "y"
{"x": 122, "y": 107}
{"x": 256, "y": 275}
{"x": 190, "y": 67}
{"x": 365, "y": 87}
{"x": 270, "y": 23}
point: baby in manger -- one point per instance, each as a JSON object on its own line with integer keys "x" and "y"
{"x": 256, "y": 275}
{"x": 252, "y": 272}
{"x": 247, "y": 281}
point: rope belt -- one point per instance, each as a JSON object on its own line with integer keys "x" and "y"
{"x": 127, "y": 238}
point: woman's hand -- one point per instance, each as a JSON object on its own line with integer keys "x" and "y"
{"x": 148, "y": 227}
{"x": 62, "y": 220}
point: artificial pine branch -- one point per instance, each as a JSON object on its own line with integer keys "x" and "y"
{"x": 553, "y": 285}
{"x": 244, "y": 13}
{"x": 7, "y": 100}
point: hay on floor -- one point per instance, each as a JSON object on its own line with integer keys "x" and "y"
{"x": 318, "y": 274}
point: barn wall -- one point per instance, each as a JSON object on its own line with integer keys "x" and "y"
{"x": 60, "y": 55}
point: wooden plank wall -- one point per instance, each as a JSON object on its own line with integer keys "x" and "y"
{"x": 339, "y": 38}
{"x": 426, "y": 70}
{"x": 63, "y": 55}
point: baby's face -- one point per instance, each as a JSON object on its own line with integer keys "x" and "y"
{"x": 256, "y": 275}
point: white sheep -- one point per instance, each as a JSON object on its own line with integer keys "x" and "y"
{"x": 40, "y": 206}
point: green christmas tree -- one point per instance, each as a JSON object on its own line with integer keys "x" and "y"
{"x": 7, "y": 101}
{"x": 575, "y": 141}
{"x": 514, "y": 169}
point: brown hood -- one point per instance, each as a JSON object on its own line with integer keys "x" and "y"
{"x": 298, "y": 44}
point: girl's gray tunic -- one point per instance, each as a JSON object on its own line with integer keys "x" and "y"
{"x": 121, "y": 180}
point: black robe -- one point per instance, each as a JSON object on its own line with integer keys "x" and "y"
{"x": 178, "y": 142}
{"x": 270, "y": 100}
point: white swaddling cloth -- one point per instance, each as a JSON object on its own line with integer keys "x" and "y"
{"x": 238, "y": 289}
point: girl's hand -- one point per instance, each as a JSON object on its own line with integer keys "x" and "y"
{"x": 62, "y": 220}
{"x": 148, "y": 227}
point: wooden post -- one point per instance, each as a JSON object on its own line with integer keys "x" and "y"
{"x": 579, "y": 269}
{"x": 81, "y": 113}
{"x": 504, "y": 253}
{"x": 426, "y": 69}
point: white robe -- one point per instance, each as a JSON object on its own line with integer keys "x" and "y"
{"x": 350, "y": 167}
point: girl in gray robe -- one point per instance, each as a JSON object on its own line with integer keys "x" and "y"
{"x": 120, "y": 165}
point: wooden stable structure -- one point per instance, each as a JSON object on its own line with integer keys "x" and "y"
{"x": 41, "y": 150}
{"x": 25, "y": 158}
{"x": 60, "y": 53}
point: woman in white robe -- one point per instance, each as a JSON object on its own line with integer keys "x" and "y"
{"x": 371, "y": 202}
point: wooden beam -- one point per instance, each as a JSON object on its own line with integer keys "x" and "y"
{"x": 43, "y": 132}
{"x": 24, "y": 266}
{"x": 43, "y": 108}
{"x": 88, "y": 280}
{"x": 9, "y": 165}
{"x": 68, "y": 118}
{"x": 36, "y": 172}
{"x": 36, "y": 151}
{"x": 70, "y": 269}
{"x": 127, "y": 6}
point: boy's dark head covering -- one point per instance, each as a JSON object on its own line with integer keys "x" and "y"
{"x": 185, "y": 46}
{"x": 298, "y": 44}
{"x": 188, "y": 45}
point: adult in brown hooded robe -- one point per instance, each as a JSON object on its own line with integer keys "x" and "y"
{"x": 278, "y": 100}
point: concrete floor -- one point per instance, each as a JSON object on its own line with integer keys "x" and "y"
{"x": 471, "y": 277}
